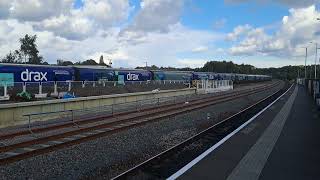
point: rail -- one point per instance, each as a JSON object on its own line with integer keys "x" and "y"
{"x": 85, "y": 133}
{"x": 111, "y": 110}
{"x": 165, "y": 164}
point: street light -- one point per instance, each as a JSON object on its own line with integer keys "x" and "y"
{"x": 315, "y": 61}
{"x": 315, "y": 64}
{"x": 305, "y": 62}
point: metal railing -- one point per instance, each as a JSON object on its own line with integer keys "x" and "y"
{"x": 76, "y": 115}
{"x": 86, "y": 88}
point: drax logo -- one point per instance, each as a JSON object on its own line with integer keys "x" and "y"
{"x": 33, "y": 76}
{"x": 132, "y": 77}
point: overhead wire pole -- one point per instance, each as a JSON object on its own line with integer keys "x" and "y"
{"x": 316, "y": 58}
{"x": 305, "y": 64}
{"x": 315, "y": 62}
{"x": 146, "y": 64}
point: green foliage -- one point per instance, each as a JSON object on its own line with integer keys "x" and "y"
{"x": 286, "y": 72}
{"x": 101, "y": 61}
{"x": 28, "y": 52}
{"x": 89, "y": 62}
{"x": 24, "y": 96}
{"x": 61, "y": 62}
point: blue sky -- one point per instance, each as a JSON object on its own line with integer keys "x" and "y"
{"x": 203, "y": 14}
{"x": 264, "y": 33}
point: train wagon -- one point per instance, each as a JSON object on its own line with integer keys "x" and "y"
{"x": 124, "y": 75}
{"x": 205, "y": 76}
{"x": 172, "y": 75}
{"x": 35, "y": 73}
{"x": 94, "y": 73}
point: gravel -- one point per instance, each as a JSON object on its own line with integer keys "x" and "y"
{"x": 108, "y": 156}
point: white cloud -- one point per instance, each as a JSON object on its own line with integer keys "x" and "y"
{"x": 238, "y": 31}
{"x": 33, "y": 10}
{"x": 59, "y": 16}
{"x": 295, "y": 32}
{"x": 200, "y": 49}
{"x": 155, "y": 16}
{"x": 289, "y": 3}
{"x": 192, "y": 63}
{"x": 70, "y": 27}
{"x": 162, "y": 49}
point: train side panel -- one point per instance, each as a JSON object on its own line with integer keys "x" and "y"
{"x": 28, "y": 73}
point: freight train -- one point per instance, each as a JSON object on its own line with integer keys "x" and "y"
{"x": 10, "y": 73}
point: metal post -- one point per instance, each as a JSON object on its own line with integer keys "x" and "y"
{"x": 305, "y": 64}
{"x": 29, "y": 119}
{"x": 40, "y": 87}
{"x": 24, "y": 88}
{"x": 69, "y": 87}
{"x": 315, "y": 63}
{"x": 72, "y": 115}
{"x": 5, "y": 92}
{"x": 55, "y": 88}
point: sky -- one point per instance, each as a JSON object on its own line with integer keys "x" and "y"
{"x": 176, "y": 33}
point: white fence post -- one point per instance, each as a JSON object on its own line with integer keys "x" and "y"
{"x": 24, "y": 87}
{"x": 69, "y": 86}
{"x": 40, "y": 87}
{"x": 5, "y": 94}
{"x": 55, "y": 88}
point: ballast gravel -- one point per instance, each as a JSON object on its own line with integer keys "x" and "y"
{"x": 106, "y": 157}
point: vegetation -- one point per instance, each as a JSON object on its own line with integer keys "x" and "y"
{"x": 27, "y": 54}
{"x": 286, "y": 72}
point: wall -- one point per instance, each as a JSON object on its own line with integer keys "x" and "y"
{"x": 12, "y": 114}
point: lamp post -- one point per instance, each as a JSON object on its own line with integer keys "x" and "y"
{"x": 315, "y": 61}
{"x": 316, "y": 58}
{"x": 305, "y": 64}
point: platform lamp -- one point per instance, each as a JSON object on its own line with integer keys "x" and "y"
{"x": 305, "y": 62}
{"x": 315, "y": 61}
{"x": 316, "y": 58}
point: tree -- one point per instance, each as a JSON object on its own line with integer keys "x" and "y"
{"x": 61, "y": 62}
{"x": 28, "y": 49}
{"x": 101, "y": 62}
{"x": 89, "y": 62}
{"x": 10, "y": 58}
{"x": 14, "y": 57}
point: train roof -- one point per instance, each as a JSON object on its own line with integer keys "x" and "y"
{"x": 91, "y": 67}
{"x": 174, "y": 71}
{"x": 35, "y": 65}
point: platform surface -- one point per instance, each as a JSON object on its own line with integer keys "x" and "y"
{"x": 282, "y": 143}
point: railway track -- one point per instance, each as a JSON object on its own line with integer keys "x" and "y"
{"x": 167, "y": 163}
{"x": 97, "y": 127}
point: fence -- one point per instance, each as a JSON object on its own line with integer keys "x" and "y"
{"x": 12, "y": 113}
{"x": 74, "y": 116}
{"x": 313, "y": 88}
{"x": 211, "y": 86}
{"x": 86, "y": 88}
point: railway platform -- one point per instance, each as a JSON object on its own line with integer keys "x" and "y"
{"x": 281, "y": 143}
